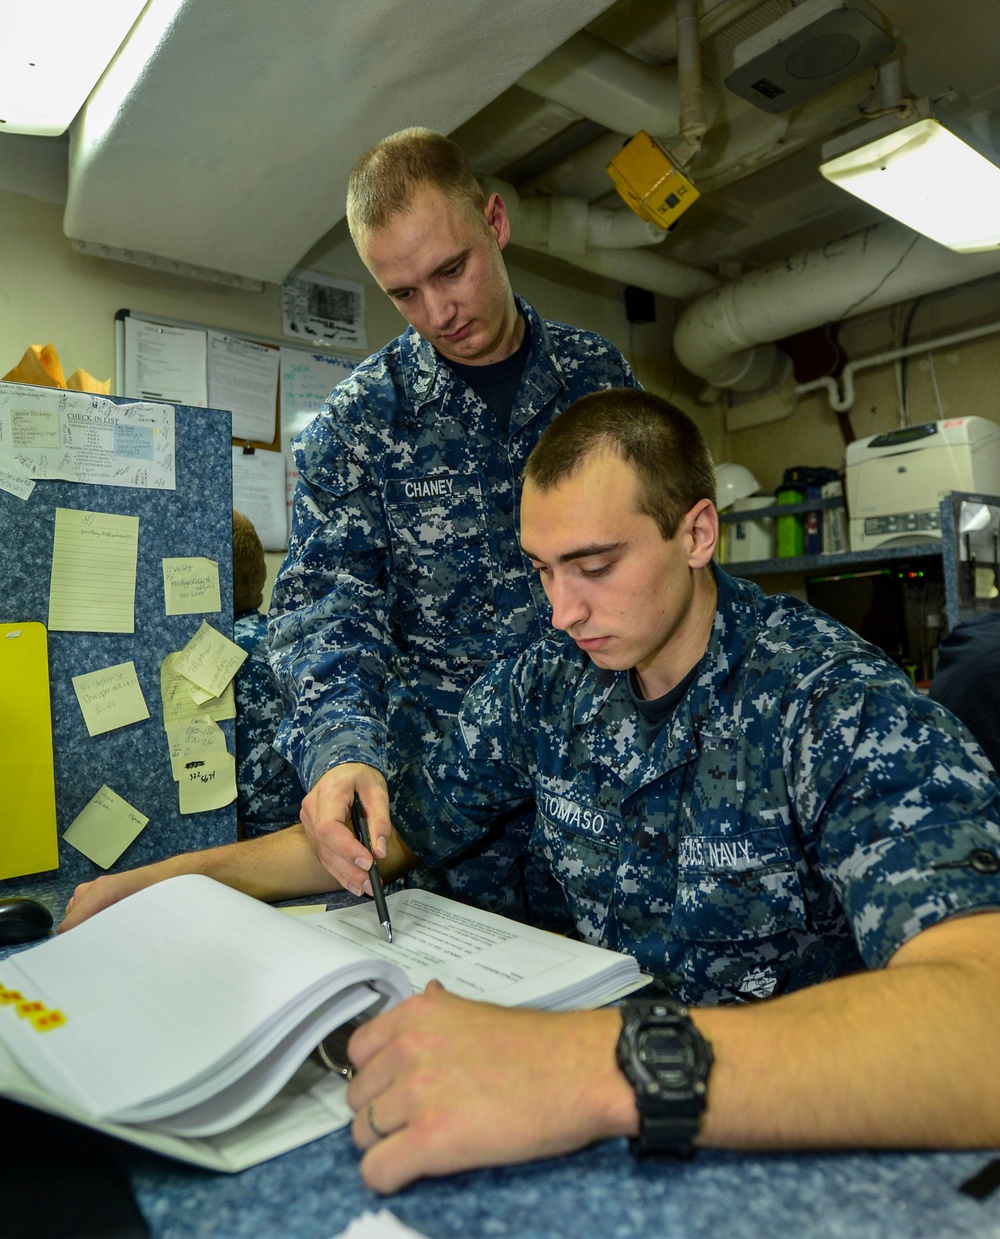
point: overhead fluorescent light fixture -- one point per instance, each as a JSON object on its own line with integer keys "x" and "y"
{"x": 52, "y": 56}
{"x": 921, "y": 172}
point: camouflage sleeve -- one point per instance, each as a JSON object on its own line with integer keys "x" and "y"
{"x": 895, "y": 801}
{"x": 329, "y": 616}
{"x": 477, "y": 778}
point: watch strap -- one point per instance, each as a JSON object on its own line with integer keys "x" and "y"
{"x": 659, "y": 1134}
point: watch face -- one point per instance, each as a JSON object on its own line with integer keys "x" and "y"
{"x": 668, "y": 1055}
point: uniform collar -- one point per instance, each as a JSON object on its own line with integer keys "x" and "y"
{"x": 705, "y": 705}
{"x": 426, "y": 378}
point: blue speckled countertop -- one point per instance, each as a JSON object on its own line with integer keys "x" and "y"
{"x": 600, "y": 1193}
{"x": 313, "y": 1192}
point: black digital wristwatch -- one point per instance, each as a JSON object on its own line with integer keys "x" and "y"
{"x": 666, "y": 1060}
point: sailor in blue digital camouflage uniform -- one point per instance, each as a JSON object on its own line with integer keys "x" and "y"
{"x": 731, "y": 786}
{"x": 404, "y": 578}
{"x": 268, "y": 789}
{"x": 741, "y": 793}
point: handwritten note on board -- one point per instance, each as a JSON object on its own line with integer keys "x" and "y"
{"x": 191, "y": 586}
{"x": 104, "y": 827}
{"x": 193, "y": 739}
{"x": 178, "y": 703}
{"x": 82, "y": 437}
{"x": 94, "y": 558}
{"x": 14, "y": 480}
{"x": 110, "y": 698}
{"x": 208, "y": 783}
{"x": 209, "y": 659}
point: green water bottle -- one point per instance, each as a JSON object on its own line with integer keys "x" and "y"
{"x": 791, "y": 534}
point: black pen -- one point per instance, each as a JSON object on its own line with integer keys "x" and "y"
{"x": 360, "y": 823}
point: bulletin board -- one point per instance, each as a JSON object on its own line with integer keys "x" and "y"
{"x": 195, "y": 519}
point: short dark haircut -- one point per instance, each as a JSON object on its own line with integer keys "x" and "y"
{"x": 670, "y": 457}
{"x": 384, "y": 179}
{"x": 249, "y": 566}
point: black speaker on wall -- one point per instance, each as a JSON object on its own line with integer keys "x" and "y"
{"x": 640, "y": 305}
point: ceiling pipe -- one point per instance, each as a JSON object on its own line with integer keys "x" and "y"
{"x": 590, "y": 237}
{"x": 690, "y": 85}
{"x": 598, "y": 80}
{"x": 843, "y": 394}
{"x": 645, "y": 269}
{"x": 726, "y": 336}
{"x": 573, "y": 226}
{"x": 651, "y": 34}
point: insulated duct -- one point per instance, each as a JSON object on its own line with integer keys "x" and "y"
{"x": 726, "y": 336}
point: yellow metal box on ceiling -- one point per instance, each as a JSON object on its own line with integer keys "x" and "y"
{"x": 647, "y": 179}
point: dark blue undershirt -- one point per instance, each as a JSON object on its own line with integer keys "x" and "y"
{"x": 496, "y": 384}
{"x": 654, "y": 714}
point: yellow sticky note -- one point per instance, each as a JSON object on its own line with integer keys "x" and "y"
{"x": 110, "y": 698}
{"x": 209, "y": 659}
{"x": 104, "y": 827}
{"x": 178, "y": 703}
{"x": 199, "y": 695}
{"x": 191, "y": 586}
{"x": 94, "y": 556}
{"x": 207, "y": 783}
{"x": 193, "y": 739}
{"x": 27, "y": 775}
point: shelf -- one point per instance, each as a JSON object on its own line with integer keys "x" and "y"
{"x": 833, "y": 561}
{"x": 781, "y": 509}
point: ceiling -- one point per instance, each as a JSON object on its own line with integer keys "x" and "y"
{"x": 222, "y": 134}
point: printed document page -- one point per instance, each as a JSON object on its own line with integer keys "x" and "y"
{"x": 481, "y": 955}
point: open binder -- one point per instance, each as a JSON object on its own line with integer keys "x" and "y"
{"x": 183, "y": 1018}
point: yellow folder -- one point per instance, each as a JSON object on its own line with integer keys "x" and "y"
{"x": 28, "y": 840}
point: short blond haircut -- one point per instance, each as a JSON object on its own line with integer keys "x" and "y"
{"x": 386, "y": 177}
{"x": 249, "y": 568}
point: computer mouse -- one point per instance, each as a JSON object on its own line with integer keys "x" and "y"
{"x": 23, "y": 920}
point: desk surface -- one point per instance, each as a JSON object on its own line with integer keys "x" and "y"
{"x": 600, "y": 1193}
{"x": 313, "y": 1192}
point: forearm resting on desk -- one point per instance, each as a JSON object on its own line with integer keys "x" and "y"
{"x": 905, "y": 1056}
{"x": 902, "y": 1057}
{"x": 281, "y": 865}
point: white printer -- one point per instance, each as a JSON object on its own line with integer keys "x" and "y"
{"x": 895, "y": 481}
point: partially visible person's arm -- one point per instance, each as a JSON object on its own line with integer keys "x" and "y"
{"x": 903, "y": 1057}
{"x": 280, "y": 865}
{"x": 329, "y": 620}
{"x": 485, "y": 787}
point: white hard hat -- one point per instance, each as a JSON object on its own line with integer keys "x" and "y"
{"x": 733, "y": 482}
